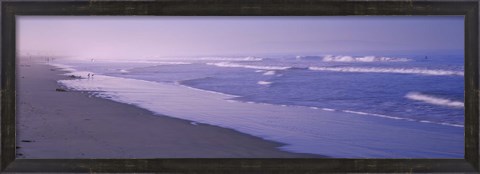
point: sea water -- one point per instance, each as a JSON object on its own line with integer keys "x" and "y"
{"x": 285, "y": 98}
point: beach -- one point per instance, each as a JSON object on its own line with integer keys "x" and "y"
{"x": 74, "y": 124}
{"x": 240, "y": 88}
{"x": 146, "y": 110}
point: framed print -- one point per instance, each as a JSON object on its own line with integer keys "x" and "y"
{"x": 239, "y": 86}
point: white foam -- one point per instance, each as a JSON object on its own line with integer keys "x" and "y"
{"x": 70, "y": 71}
{"x": 433, "y": 72}
{"x": 213, "y": 92}
{"x": 172, "y": 63}
{"x": 445, "y": 124}
{"x": 124, "y": 71}
{"x": 328, "y": 109}
{"x": 269, "y": 73}
{"x": 264, "y": 83}
{"x": 62, "y": 67}
{"x": 356, "y": 112}
{"x": 434, "y": 100}
{"x": 331, "y": 58}
{"x": 234, "y": 65}
{"x": 454, "y": 125}
{"x": 157, "y": 62}
{"x": 401, "y": 118}
{"x": 249, "y": 58}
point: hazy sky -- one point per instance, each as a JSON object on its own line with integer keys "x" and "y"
{"x": 123, "y": 37}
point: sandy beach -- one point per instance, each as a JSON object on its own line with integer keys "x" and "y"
{"x": 72, "y": 124}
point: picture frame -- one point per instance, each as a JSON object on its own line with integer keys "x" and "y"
{"x": 11, "y": 9}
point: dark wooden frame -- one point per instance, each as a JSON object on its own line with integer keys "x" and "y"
{"x": 468, "y": 9}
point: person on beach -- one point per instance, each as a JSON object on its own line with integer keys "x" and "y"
{"x": 88, "y": 75}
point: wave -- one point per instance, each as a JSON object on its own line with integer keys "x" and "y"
{"x": 361, "y": 113}
{"x": 172, "y": 63}
{"x": 264, "y": 83}
{"x": 148, "y": 61}
{"x": 62, "y": 67}
{"x": 328, "y": 109}
{"x": 434, "y": 72}
{"x": 180, "y": 83}
{"x": 331, "y": 58}
{"x": 234, "y": 65}
{"x": 357, "y": 113}
{"x": 401, "y": 118}
{"x": 340, "y": 58}
{"x": 434, "y": 100}
{"x": 308, "y": 57}
{"x": 168, "y": 63}
{"x": 269, "y": 73}
{"x": 249, "y": 58}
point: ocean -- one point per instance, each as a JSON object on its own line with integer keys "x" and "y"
{"x": 334, "y": 105}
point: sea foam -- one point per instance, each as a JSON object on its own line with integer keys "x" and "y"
{"x": 157, "y": 62}
{"x": 434, "y": 100}
{"x": 434, "y": 72}
{"x": 269, "y": 73}
{"x": 234, "y": 65}
{"x": 420, "y": 71}
{"x": 264, "y": 83}
{"x": 249, "y": 58}
{"x": 331, "y": 58}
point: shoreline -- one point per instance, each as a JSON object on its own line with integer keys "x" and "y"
{"x": 93, "y": 127}
{"x": 299, "y": 130}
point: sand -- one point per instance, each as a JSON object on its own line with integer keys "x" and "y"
{"x": 73, "y": 124}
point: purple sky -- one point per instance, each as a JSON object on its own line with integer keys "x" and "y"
{"x": 133, "y": 37}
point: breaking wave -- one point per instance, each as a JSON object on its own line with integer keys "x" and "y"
{"x": 249, "y": 58}
{"x": 434, "y": 100}
{"x": 264, "y": 83}
{"x": 269, "y": 73}
{"x": 401, "y": 118}
{"x": 234, "y": 65}
{"x": 269, "y": 70}
{"x": 331, "y": 58}
{"x": 390, "y": 70}
{"x": 148, "y": 61}
{"x": 340, "y": 58}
